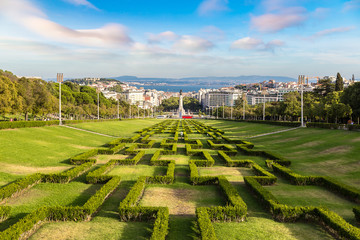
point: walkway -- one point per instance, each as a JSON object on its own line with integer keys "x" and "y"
{"x": 88, "y": 131}
{"x": 265, "y": 134}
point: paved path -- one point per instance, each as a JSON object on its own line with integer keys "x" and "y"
{"x": 265, "y": 134}
{"x": 88, "y": 131}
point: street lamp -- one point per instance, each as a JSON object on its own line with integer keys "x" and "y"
{"x": 60, "y": 78}
{"x": 301, "y": 82}
{"x": 223, "y": 110}
{"x": 98, "y": 95}
{"x": 264, "y": 92}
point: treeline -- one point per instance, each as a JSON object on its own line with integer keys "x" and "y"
{"x": 327, "y": 103}
{"x": 35, "y": 98}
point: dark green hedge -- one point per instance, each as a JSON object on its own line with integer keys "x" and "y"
{"x": 98, "y": 175}
{"x": 207, "y": 231}
{"x": 19, "y": 185}
{"x": 84, "y": 157}
{"x": 200, "y": 180}
{"x": 167, "y": 179}
{"x": 356, "y": 211}
{"x": 66, "y": 176}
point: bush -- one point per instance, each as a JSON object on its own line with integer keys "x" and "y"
{"x": 295, "y": 178}
{"x": 84, "y": 157}
{"x": 200, "y": 180}
{"x": 167, "y": 179}
{"x": 97, "y": 176}
{"x": 19, "y": 185}
{"x": 66, "y": 176}
{"x": 207, "y": 231}
{"x": 134, "y": 194}
{"x": 4, "y": 212}
{"x": 132, "y": 161}
{"x": 340, "y": 188}
{"x": 161, "y": 224}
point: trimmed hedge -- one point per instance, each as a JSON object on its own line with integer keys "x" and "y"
{"x": 84, "y": 157}
{"x": 134, "y": 194}
{"x": 207, "y": 231}
{"x": 19, "y": 185}
{"x": 132, "y": 161}
{"x": 234, "y": 163}
{"x": 66, "y": 176}
{"x": 4, "y": 212}
{"x": 295, "y": 178}
{"x": 167, "y": 179}
{"x": 161, "y": 225}
{"x": 350, "y": 127}
{"x": 200, "y": 180}
{"x": 345, "y": 190}
{"x": 356, "y": 211}
{"x": 97, "y": 176}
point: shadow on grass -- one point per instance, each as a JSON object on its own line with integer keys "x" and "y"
{"x": 85, "y": 195}
{"x": 11, "y": 220}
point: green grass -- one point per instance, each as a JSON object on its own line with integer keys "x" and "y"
{"x": 242, "y": 130}
{"x": 263, "y": 228}
{"x": 48, "y": 194}
{"x": 235, "y": 174}
{"x": 124, "y": 128}
{"x": 312, "y": 196}
{"x": 44, "y": 146}
{"x": 131, "y": 173}
{"x": 333, "y": 153}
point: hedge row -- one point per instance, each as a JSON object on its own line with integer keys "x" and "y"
{"x": 4, "y": 212}
{"x": 132, "y": 161}
{"x": 134, "y": 195}
{"x": 207, "y": 231}
{"x": 98, "y": 175}
{"x": 349, "y": 127}
{"x": 167, "y": 179}
{"x": 234, "y": 163}
{"x": 155, "y": 159}
{"x": 327, "y": 182}
{"x": 356, "y": 211}
{"x": 195, "y": 179}
{"x": 66, "y": 176}
{"x": 161, "y": 225}
{"x": 23, "y": 228}
{"x": 220, "y": 146}
{"x": 286, "y": 213}
{"x": 208, "y": 160}
{"x": 84, "y": 157}
{"x": 19, "y": 185}
{"x": 264, "y": 177}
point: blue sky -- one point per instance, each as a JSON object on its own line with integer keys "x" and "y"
{"x": 184, "y": 38}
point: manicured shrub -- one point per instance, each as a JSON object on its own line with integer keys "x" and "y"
{"x": 84, "y": 157}
{"x": 98, "y": 175}
{"x": 4, "y": 212}
{"x": 167, "y": 179}
{"x": 207, "y": 231}
{"x": 200, "y": 180}
{"x": 356, "y": 211}
{"x": 161, "y": 225}
{"x": 19, "y": 185}
{"x": 347, "y": 191}
{"x": 134, "y": 194}
{"x": 68, "y": 175}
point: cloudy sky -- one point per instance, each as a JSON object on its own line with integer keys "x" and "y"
{"x": 180, "y": 38}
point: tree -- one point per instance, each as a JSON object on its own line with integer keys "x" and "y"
{"x": 339, "y": 84}
{"x": 292, "y": 104}
{"x": 351, "y": 96}
{"x": 9, "y": 100}
{"x": 325, "y": 87}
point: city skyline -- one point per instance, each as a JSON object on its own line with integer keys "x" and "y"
{"x": 179, "y": 38}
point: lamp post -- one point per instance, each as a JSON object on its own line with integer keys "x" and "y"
{"x": 244, "y": 99}
{"x": 223, "y": 110}
{"x": 60, "y": 78}
{"x": 302, "y": 82}
{"x": 98, "y": 102}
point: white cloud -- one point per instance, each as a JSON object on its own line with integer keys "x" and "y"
{"x": 212, "y": 33}
{"x": 248, "y": 43}
{"x": 192, "y": 44}
{"x": 161, "y": 37}
{"x": 207, "y": 7}
{"x": 29, "y": 16}
{"x": 330, "y": 31}
{"x": 274, "y": 22}
{"x": 82, "y": 3}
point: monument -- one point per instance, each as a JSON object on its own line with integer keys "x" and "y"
{"x": 181, "y": 110}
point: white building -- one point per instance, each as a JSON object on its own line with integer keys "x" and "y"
{"x": 217, "y": 98}
{"x": 135, "y": 97}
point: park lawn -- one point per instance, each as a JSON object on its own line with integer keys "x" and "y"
{"x": 233, "y": 174}
{"x": 312, "y": 151}
{"x": 43, "y": 147}
{"x": 125, "y": 128}
{"x": 132, "y": 173}
{"x": 294, "y": 195}
{"x": 264, "y": 228}
{"x": 241, "y": 130}
{"x": 48, "y": 194}
{"x": 105, "y": 224}
{"x": 182, "y": 198}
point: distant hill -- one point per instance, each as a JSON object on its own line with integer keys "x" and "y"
{"x": 206, "y": 80}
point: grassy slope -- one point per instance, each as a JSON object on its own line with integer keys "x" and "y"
{"x": 124, "y": 128}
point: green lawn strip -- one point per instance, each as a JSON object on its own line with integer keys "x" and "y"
{"x": 45, "y": 146}
{"x": 48, "y": 194}
{"x": 231, "y": 173}
{"x": 242, "y": 129}
{"x": 182, "y": 227}
{"x": 106, "y": 228}
{"x": 6, "y": 178}
{"x": 117, "y": 128}
{"x": 294, "y": 195}
{"x": 182, "y": 198}
{"x": 133, "y": 172}
{"x": 263, "y": 228}
{"x": 318, "y": 152}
